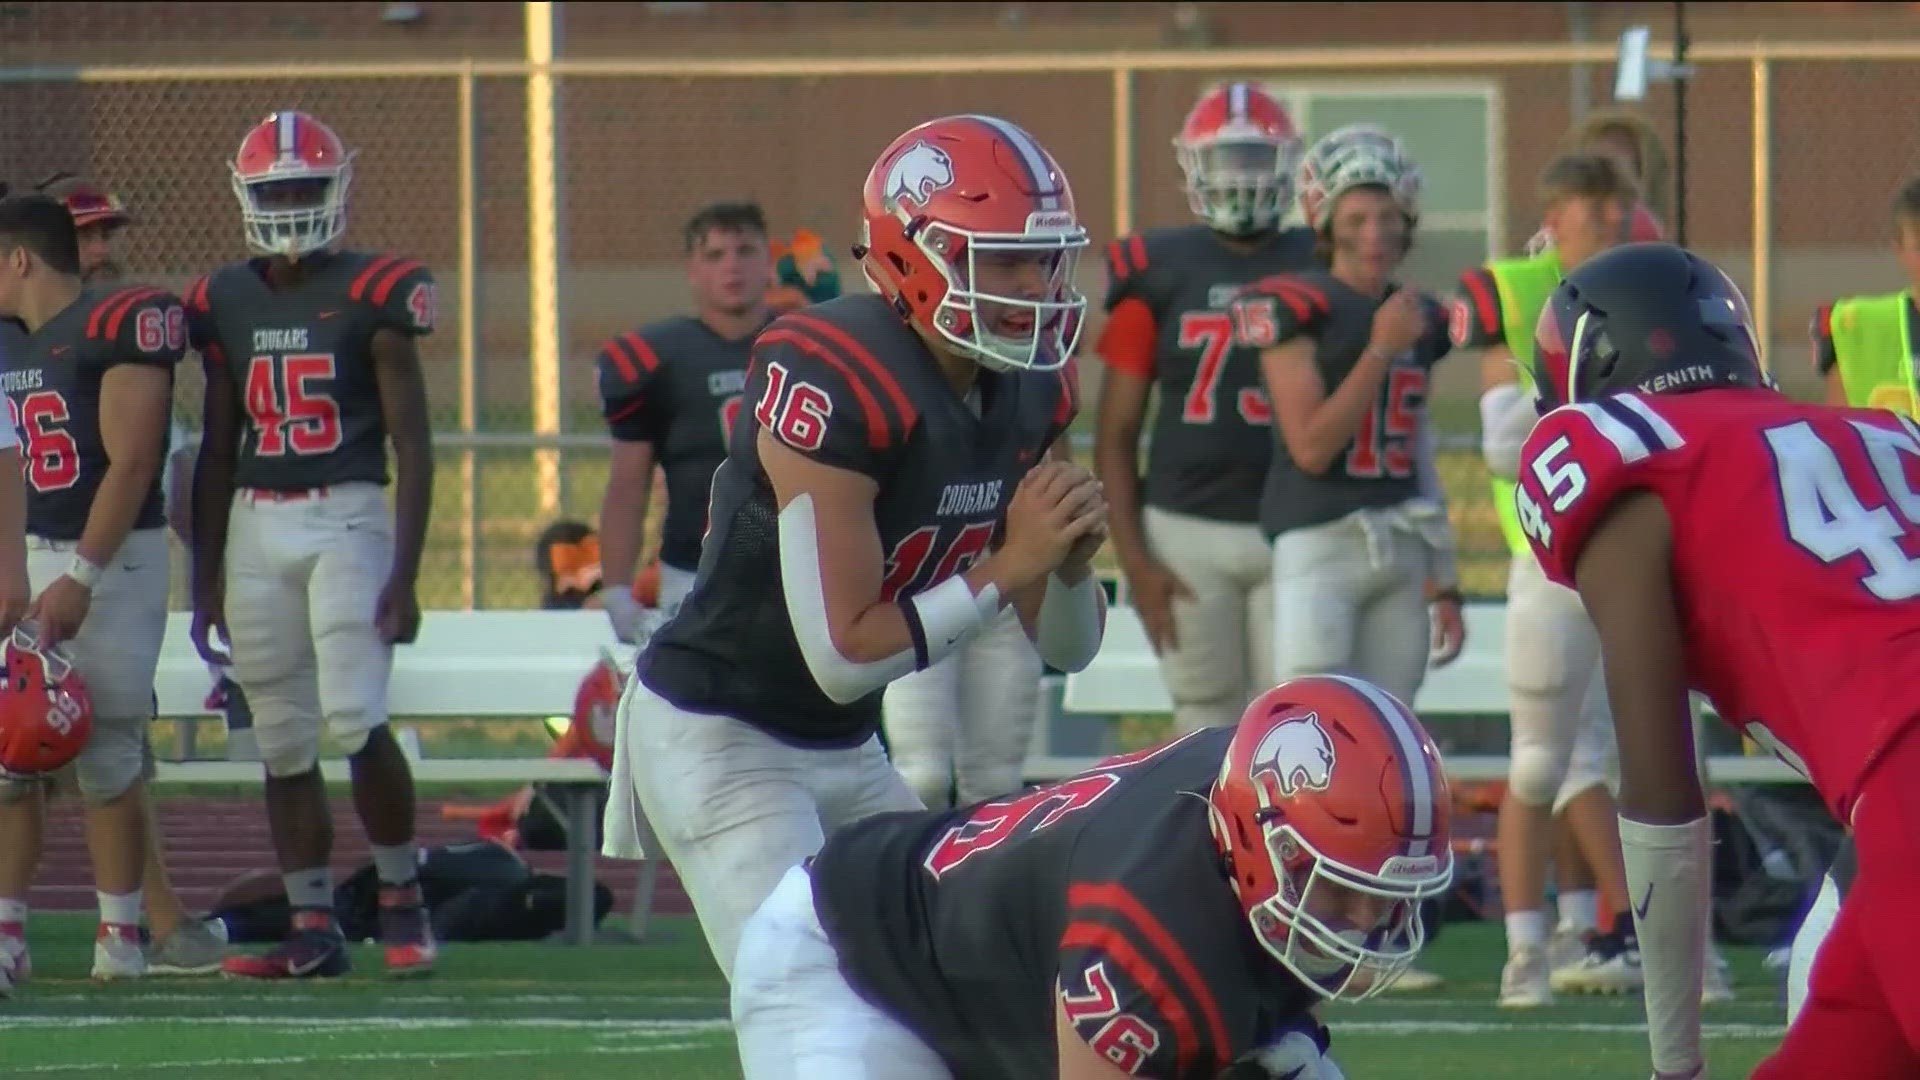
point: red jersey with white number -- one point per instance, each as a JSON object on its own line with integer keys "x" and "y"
{"x": 1379, "y": 466}
{"x": 846, "y": 384}
{"x": 1796, "y": 556}
{"x": 1103, "y": 892}
{"x": 301, "y": 361}
{"x": 1171, "y": 323}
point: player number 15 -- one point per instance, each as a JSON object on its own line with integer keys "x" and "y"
{"x": 1562, "y": 482}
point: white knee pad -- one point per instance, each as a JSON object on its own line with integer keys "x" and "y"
{"x": 1535, "y": 773}
{"x": 288, "y": 748}
{"x": 351, "y": 730}
{"x": 113, "y": 758}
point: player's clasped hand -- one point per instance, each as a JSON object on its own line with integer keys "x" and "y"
{"x": 398, "y": 615}
{"x": 209, "y": 615}
{"x": 60, "y": 609}
{"x": 1398, "y": 323}
{"x": 1449, "y": 631}
{"x": 1057, "y": 505}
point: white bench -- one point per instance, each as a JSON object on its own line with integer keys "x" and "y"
{"x": 1124, "y": 679}
{"x": 464, "y": 663}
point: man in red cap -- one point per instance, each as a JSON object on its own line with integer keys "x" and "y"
{"x": 100, "y": 217}
{"x": 182, "y": 944}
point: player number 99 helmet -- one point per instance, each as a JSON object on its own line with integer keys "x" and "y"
{"x": 291, "y": 175}
{"x": 1649, "y": 317}
{"x": 944, "y": 207}
{"x": 1332, "y": 814}
{"x": 46, "y": 716}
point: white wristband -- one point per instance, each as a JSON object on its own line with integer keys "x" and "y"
{"x": 87, "y": 574}
{"x": 942, "y": 617}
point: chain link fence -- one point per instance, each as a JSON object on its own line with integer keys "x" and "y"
{"x": 442, "y": 175}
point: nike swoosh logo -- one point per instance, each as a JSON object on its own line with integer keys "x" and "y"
{"x": 1646, "y": 901}
{"x": 326, "y": 314}
{"x": 302, "y": 969}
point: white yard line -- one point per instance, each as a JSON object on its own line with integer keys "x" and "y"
{"x": 96, "y": 1068}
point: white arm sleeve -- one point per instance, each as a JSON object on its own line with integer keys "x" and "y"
{"x": 942, "y": 617}
{"x": 1072, "y": 621}
{"x": 1667, "y": 883}
{"x": 1506, "y": 418}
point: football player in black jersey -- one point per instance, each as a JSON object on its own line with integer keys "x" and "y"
{"x": 670, "y": 392}
{"x": 91, "y": 390}
{"x": 888, "y": 491}
{"x": 179, "y": 944}
{"x": 1166, "y": 914}
{"x": 312, "y": 367}
{"x": 1188, "y": 537}
{"x": 1353, "y": 501}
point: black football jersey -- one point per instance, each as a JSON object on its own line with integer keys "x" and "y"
{"x": 847, "y": 384}
{"x": 1212, "y": 432}
{"x": 676, "y": 384}
{"x": 1105, "y": 889}
{"x": 302, "y": 361}
{"x": 52, "y": 382}
{"x": 1378, "y": 467}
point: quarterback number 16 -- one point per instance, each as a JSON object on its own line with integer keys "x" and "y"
{"x": 793, "y": 409}
{"x": 1562, "y": 482}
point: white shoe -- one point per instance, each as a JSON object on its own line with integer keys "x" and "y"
{"x": 16, "y": 964}
{"x": 1414, "y": 980}
{"x": 1611, "y": 966}
{"x": 1566, "y": 948}
{"x": 117, "y": 953}
{"x": 1716, "y": 989}
{"x": 1523, "y": 982}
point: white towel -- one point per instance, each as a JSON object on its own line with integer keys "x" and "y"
{"x": 624, "y": 830}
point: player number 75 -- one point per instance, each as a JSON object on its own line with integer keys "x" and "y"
{"x": 1562, "y": 482}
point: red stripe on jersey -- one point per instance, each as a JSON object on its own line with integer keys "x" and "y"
{"x": 214, "y": 354}
{"x": 105, "y": 320}
{"x": 642, "y": 351}
{"x": 1114, "y": 945}
{"x": 617, "y": 350}
{"x": 1486, "y": 302}
{"x": 1118, "y": 899}
{"x": 877, "y": 435}
{"x": 861, "y": 355}
{"x": 196, "y": 297}
{"x": 358, "y": 290}
{"x": 1117, "y": 263}
{"x": 387, "y": 281}
{"x": 1287, "y": 293}
{"x": 1823, "y": 323}
{"x": 1138, "y": 246}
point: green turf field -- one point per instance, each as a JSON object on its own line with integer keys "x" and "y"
{"x": 539, "y": 1012}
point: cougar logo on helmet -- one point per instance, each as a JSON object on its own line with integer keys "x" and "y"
{"x": 918, "y": 173}
{"x": 1295, "y": 756}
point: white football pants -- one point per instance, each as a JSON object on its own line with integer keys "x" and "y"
{"x": 1350, "y": 598}
{"x": 115, "y": 652}
{"x": 1224, "y": 656}
{"x": 965, "y": 723}
{"x": 304, "y": 575}
{"x": 1806, "y": 943}
{"x": 735, "y": 808}
{"x": 795, "y": 1017}
{"x": 1562, "y": 726}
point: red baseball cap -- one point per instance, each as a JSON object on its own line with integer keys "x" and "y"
{"x": 88, "y": 202}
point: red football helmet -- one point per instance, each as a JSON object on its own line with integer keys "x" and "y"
{"x": 950, "y": 209}
{"x": 45, "y": 713}
{"x": 1332, "y": 812}
{"x": 1358, "y": 155}
{"x": 291, "y": 176}
{"x": 1238, "y": 150}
